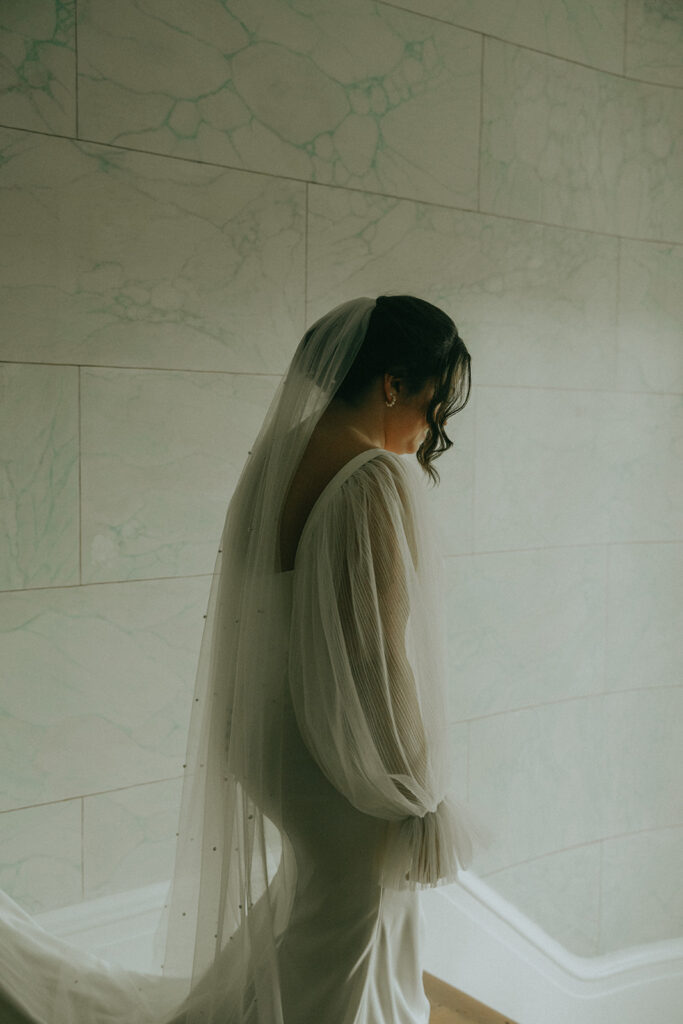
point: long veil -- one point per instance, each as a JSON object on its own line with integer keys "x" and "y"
{"x": 234, "y": 870}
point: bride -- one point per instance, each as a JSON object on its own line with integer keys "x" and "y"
{"x": 315, "y": 799}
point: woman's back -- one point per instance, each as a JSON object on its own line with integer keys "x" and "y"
{"x": 327, "y": 452}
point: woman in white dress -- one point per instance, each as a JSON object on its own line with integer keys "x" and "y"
{"x": 315, "y": 799}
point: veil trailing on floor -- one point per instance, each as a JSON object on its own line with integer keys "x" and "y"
{"x": 235, "y": 872}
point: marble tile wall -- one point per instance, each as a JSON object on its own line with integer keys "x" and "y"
{"x": 182, "y": 190}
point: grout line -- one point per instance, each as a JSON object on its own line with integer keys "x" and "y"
{"x": 545, "y": 547}
{"x": 76, "y": 110}
{"x": 593, "y": 695}
{"x": 605, "y": 634}
{"x": 531, "y": 49}
{"x": 598, "y": 929}
{"x": 108, "y": 583}
{"x": 617, "y": 311}
{"x": 481, "y": 120}
{"x": 428, "y": 17}
{"x": 468, "y": 768}
{"x": 82, "y": 848}
{"x": 160, "y": 369}
{"x": 462, "y": 554}
{"x": 577, "y": 846}
{"x": 262, "y": 373}
{"x": 347, "y": 188}
{"x": 80, "y": 493}
{"x": 473, "y": 488}
{"x": 86, "y": 796}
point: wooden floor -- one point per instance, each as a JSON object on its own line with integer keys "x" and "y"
{"x": 449, "y": 1006}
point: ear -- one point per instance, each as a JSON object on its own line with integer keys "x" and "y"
{"x": 390, "y": 384}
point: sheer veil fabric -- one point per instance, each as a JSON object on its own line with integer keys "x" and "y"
{"x": 348, "y": 649}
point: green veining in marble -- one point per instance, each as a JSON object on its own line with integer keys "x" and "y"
{"x": 174, "y": 272}
{"x": 37, "y": 48}
{"x": 38, "y": 476}
{"x": 344, "y": 94}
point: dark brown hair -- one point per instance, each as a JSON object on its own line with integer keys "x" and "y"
{"x": 416, "y": 341}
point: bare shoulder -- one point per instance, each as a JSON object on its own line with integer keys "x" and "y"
{"x": 322, "y": 460}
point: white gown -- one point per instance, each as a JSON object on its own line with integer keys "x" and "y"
{"x": 362, "y": 744}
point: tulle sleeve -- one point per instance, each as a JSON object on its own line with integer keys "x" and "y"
{"x": 366, "y": 668}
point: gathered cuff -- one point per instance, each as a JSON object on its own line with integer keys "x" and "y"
{"x": 422, "y": 852}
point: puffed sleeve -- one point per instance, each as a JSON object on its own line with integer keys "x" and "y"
{"x": 366, "y": 668}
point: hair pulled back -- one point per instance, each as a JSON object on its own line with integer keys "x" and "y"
{"x": 419, "y": 343}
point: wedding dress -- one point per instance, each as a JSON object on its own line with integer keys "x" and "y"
{"x": 316, "y": 797}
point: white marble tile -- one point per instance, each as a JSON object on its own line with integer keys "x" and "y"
{"x": 575, "y": 467}
{"x": 536, "y": 779}
{"x": 535, "y": 305}
{"x": 644, "y": 616}
{"x": 356, "y": 94}
{"x": 120, "y": 258}
{"x": 101, "y": 686}
{"x": 647, "y": 867}
{"x": 650, "y": 324}
{"x": 38, "y": 476}
{"x": 640, "y": 445}
{"x": 589, "y": 31}
{"x": 40, "y": 855}
{"x": 559, "y": 892}
{"x": 541, "y": 478}
{"x": 459, "y": 743}
{"x": 162, "y": 452}
{"x": 129, "y": 837}
{"x": 654, "y": 40}
{"x": 569, "y": 145}
{"x": 643, "y": 760}
{"x": 524, "y": 628}
{"x": 38, "y": 59}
